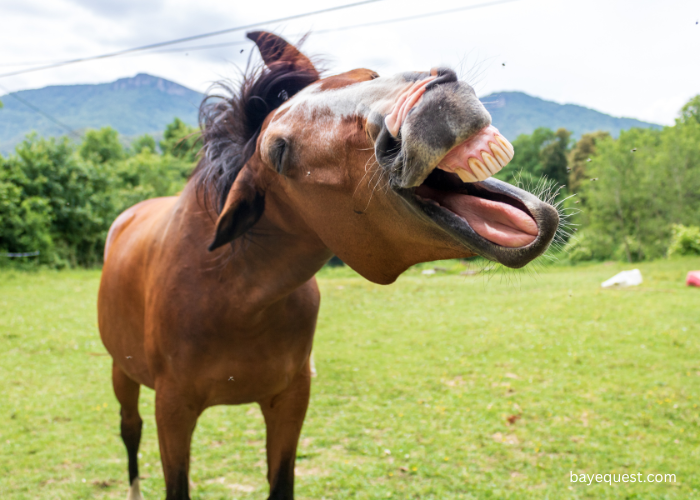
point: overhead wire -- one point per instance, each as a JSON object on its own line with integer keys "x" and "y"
{"x": 41, "y": 112}
{"x": 226, "y": 44}
{"x": 344, "y": 28}
{"x": 245, "y": 42}
{"x": 152, "y": 46}
{"x": 187, "y": 39}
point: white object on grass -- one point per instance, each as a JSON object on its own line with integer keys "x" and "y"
{"x": 625, "y": 278}
{"x": 428, "y": 271}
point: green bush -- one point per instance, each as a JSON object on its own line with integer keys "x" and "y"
{"x": 685, "y": 240}
{"x": 25, "y": 223}
{"x": 637, "y": 186}
{"x": 60, "y": 200}
{"x": 589, "y": 246}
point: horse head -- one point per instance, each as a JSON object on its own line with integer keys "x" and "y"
{"x": 386, "y": 171}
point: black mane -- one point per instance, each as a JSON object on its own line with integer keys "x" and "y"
{"x": 231, "y": 123}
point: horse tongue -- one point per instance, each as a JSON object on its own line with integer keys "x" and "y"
{"x": 495, "y": 221}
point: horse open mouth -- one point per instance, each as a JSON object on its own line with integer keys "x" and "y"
{"x": 501, "y": 220}
{"x": 490, "y": 217}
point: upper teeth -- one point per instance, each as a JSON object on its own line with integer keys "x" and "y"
{"x": 480, "y": 157}
{"x": 507, "y": 145}
{"x": 490, "y": 163}
{"x": 501, "y": 155}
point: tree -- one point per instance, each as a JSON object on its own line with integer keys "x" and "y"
{"x": 144, "y": 142}
{"x": 542, "y": 154}
{"x": 617, "y": 196}
{"x": 102, "y": 146}
{"x": 64, "y": 200}
{"x": 180, "y": 140}
{"x": 691, "y": 110}
{"x": 554, "y": 157}
{"x": 579, "y": 157}
{"x": 25, "y": 222}
{"x": 640, "y": 186}
{"x": 526, "y": 162}
{"x": 60, "y": 200}
{"x": 148, "y": 175}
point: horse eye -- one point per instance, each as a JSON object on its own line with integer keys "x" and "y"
{"x": 278, "y": 153}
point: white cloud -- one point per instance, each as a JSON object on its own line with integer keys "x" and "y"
{"x": 627, "y": 58}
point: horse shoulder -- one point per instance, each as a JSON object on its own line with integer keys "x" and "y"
{"x": 136, "y": 216}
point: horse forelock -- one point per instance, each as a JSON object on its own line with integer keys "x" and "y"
{"x": 231, "y": 121}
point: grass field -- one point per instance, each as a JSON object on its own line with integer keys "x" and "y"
{"x": 437, "y": 387}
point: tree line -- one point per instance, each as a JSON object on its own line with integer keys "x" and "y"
{"x": 637, "y": 197}
{"x": 59, "y": 199}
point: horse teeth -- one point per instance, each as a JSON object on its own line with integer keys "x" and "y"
{"x": 465, "y": 175}
{"x": 507, "y": 146}
{"x": 491, "y": 163}
{"x": 480, "y": 170}
{"x": 500, "y": 155}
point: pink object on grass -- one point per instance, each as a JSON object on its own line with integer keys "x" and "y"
{"x": 693, "y": 278}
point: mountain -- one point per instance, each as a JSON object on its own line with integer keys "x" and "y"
{"x": 516, "y": 113}
{"x": 133, "y": 106}
{"x": 145, "y": 104}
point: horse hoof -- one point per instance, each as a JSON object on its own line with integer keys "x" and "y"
{"x": 134, "y": 491}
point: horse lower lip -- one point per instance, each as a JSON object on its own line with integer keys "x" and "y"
{"x": 495, "y": 221}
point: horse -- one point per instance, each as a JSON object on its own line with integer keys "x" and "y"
{"x": 209, "y": 297}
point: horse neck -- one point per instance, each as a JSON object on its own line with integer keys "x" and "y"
{"x": 265, "y": 264}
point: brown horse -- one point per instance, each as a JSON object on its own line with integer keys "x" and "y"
{"x": 209, "y": 297}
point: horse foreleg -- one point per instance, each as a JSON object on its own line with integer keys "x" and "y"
{"x": 284, "y": 416}
{"x": 176, "y": 417}
{"x": 127, "y": 392}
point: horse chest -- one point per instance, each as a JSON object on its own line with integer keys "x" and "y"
{"x": 228, "y": 363}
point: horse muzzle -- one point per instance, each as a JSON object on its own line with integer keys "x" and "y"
{"x": 440, "y": 150}
{"x": 437, "y": 115}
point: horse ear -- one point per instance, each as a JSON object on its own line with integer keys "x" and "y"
{"x": 243, "y": 208}
{"x": 275, "y": 50}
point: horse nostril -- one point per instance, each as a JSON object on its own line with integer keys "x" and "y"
{"x": 444, "y": 75}
{"x": 386, "y": 147}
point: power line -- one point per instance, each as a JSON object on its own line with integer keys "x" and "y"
{"x": 31, "y": 63}
{"x": 186, "y": 39}
{"x": 314, "y": 32}
{"x": 417, "y": 16}
{"x": 203, "y": 47}
{"x": 43, "y": 113}
{"x": 344, "y": 28}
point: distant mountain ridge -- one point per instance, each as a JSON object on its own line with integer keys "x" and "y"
{"x": 133, "y": 106}
{"x": 515, "y": 113}
{"x": 142, "y": 80}
{"x": 145, "y": 104}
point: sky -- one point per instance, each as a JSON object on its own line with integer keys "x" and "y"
{"x": 632, "y": 58}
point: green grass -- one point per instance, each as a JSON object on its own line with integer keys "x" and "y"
{"x": 416, "y": 383}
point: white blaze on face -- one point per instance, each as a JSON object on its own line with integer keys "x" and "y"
{"x": 372, "y": 99}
